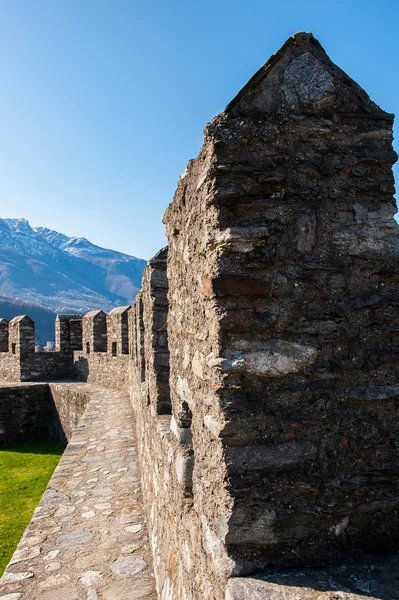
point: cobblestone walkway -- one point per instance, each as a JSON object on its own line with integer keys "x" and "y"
{"x": 87, "y": 539}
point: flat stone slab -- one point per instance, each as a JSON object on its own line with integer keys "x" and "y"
{"x": 369, "y": 578}
{"x": 88, "y": 540}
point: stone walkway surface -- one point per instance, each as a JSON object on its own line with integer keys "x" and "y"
{"x": 87, "y": 539}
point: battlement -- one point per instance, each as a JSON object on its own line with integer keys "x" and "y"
{"x": 77, "y": 338}
{"x": 261, "y": 352}
{"x": 3, "y": 335}
{"x": 118, "y": 331}
{"x": 94, "y": 331}
{"x": 68, "y": 333}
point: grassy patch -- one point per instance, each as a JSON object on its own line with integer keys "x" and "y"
{"x": 24, "y": 474}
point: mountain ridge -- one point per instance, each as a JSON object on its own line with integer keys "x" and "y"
{"x": 62, "y": 273}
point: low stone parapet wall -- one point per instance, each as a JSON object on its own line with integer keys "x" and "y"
{"x": 26, "y": 413}
{"x": 31, "y": 412}
{"x": 10, "y": 369}
{"x": 41, "y": 366}
{"x": 103, "y": 369}
{"x": 69, "y": 401}
{"x": 166, "y": 477}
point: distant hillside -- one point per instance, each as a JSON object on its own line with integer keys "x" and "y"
{"x": 64, "y": 274}
{"x": 43, "y": 317}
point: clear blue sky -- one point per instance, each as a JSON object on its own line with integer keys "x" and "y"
{"x": 103, "y": 102}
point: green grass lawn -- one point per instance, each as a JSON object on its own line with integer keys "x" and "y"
{"x": 24, "y": 473}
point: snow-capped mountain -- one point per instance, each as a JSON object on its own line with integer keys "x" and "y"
{"x": 64, "y": 273}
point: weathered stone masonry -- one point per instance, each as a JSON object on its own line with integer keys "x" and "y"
{"x": 261, "y": 355}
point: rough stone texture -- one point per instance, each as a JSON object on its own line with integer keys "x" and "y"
{"x": 3, "y": 335}
{"x": 26, "y": 413}
{"x": 22, "y": 363}
{"x": 156, "y": 351}
{"x": 94, "y": 332}
{"x": 75, "y": 334}
{"x": 31, "y": 412}
{"x": 68, "y": 333}
{"x": 10, "y": 367}
{"x": 35, "y": 367}
{"x": 281, "y": 349}
{"x": 372, "y": 578}
{"x": 21, "y": 336}
{"x": 136, "y": 337}
{"x": 282, "y": 319}
{"x": 45, "y": 365}
{"x": 70, "y": 402}
{"x": 165, "y": 449}
{"x": 118, "y": 331}
{"x": 102, "y": 368}
{"x": 88, "y": 540}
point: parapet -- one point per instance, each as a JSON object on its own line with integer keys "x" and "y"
{"x": 264, "y": 358}
{"x": 68, "y": 333}
{"x": 154, "y": 336}
{"x": 118, "y": 330}
{"x": 21, "y": 336}
{"x": 3, "y": 335}
{"x": 282, "y": 318}
{"x": 94, "y": 332}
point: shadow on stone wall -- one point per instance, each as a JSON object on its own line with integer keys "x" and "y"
{"x": 40, "y": 412}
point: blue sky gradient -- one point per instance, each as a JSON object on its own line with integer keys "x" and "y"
{"x": 103, "y": 102}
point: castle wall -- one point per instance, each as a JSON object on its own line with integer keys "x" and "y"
{"x": 94, "y": 332}
{"x": 3, "y": 335}
{"x": 70, "y": 402}
{"x": 68, "y": 333}
{"x": 102, "y": 368}
{"x": 33, "y": 412}
{"x": 118, "y": 331}
{"x": 41, "y": 366}
{"x": 261, "y": 353}
{"x": 155, "y": 342}
{"x": 10, "y": 367}
{"x": 164, "y": 449}
{"x": 37, "y": 366}
{"x": 20, "y": 362}
{"x": 282, "y": 319}
{"x": 25, "y": 414}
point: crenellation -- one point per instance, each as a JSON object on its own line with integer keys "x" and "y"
{"x": 261, "y": 353}
{"x": 3, "y": 335}
{"x": 21, "y": 336}
{"x": 94, "y": 332}
{"x": 68, "y": 333}
{"x": 118, "y": 330}
{"x": 156, "y": 349}
{"x": 75, "y": 333}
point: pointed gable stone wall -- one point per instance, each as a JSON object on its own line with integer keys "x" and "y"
{"x": 282, "y": 268}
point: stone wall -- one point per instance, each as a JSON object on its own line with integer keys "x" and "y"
{"x": 25, "y": 413}
{"x": 94, "y": 331}
{"x": 118, "y": 331}
{"x": 283, "y": 274}
{"x": 41, "y": 366}
{"x": 155, "y": 336}
{"x": 261, "y": 353}
{"x": 10, "y": 367}
{"x": 20, "y": 362}
{"x": 102, "y": 368}
{"x": 40, "y": 411}
{"x": 69, "y": 402}
{"x": 3, "y": 335}
{"x": 68, "y": 333}
{"x": 165, "y": 449}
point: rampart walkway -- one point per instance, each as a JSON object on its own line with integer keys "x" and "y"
{"x": 88, "y": 540}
